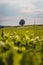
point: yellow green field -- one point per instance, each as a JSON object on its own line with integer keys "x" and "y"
{"x": 21, "y": 45}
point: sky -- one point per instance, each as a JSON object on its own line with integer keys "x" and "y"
{"x": 12, "y": 11}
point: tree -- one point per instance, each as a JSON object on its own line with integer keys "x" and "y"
{"x": 22, "y": 22}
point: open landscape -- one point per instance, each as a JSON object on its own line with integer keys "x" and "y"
{"x": 21, "y": 32}
{"x": 21, "y": 45}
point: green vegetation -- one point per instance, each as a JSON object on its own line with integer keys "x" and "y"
{"x": 21, "y": 45}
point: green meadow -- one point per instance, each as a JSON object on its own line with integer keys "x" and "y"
{"x": 21, "y": 45}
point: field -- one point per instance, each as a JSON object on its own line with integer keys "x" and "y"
{"x": 21, "y": 45}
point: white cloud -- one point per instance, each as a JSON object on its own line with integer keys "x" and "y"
{"x": 23, "y": 6}
{"x": 21, "y": 9}
{"x": 26, "y": 6}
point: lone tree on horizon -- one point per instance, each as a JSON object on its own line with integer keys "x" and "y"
{"x": 22, "y": 22}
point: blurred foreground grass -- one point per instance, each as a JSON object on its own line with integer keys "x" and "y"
{"x": 12, "y": 54}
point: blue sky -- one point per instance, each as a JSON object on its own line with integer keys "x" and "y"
{"x": 12, "y": 11}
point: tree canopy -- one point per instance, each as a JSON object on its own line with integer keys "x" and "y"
{"x": 22, "y": 22}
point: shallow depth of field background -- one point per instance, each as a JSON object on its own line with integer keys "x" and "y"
{"x": 17, "y": 55}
